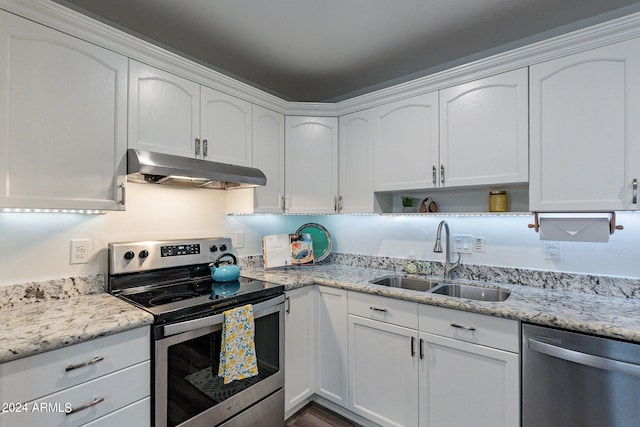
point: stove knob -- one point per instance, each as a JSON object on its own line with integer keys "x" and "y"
{"x": 129, "y": 255}
{"x": 143, "y": 253}
{"x": 223, "y": 248}
{"x": 213, "y": 248}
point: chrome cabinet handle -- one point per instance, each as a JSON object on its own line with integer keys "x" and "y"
{"x": 585, "y": 359}
{"x": 94, "y": 402}
{"x": 123, "y": 191}
{"x": 339, "y": 203}
{"x": 413, "y": 346}
{"x": 421, "y": 349}
{"x": 441, "y": 174}
{"x": 382, "y": 310}
{"x": 433, "y": 175}
{"x": 197, "y": 147}
{"x": 83, "y": 364}
{"x": 288, "y": 303}
{"x": 205, "y": 148}
{"x": 466, "y": 328}
{"x": 635, "y": 192}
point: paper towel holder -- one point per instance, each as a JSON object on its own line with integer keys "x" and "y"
{"x": 612, "y": 223}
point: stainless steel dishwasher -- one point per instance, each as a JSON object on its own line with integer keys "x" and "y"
{"x": 574, "y": 379}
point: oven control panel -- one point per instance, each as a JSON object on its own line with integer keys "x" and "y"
{"x": 177, "y": 250}
{"x": 133, "y": 257}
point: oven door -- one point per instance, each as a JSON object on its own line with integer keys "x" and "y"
{"x": 188, "y": 391}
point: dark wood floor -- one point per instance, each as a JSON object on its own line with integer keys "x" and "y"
{"x": 314, "y": 415}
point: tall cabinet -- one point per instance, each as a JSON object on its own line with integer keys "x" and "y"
{"x": 63, "y": 115}
{"x": 585, "y": 132}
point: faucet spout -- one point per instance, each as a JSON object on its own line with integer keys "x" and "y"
{"x": 448, "y": 267}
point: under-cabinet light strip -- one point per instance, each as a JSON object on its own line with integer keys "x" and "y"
{"x": 72, "y": 211}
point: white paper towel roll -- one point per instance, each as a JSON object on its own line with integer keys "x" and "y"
{"x": 575, "y": 229}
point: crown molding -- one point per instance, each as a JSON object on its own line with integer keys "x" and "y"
{"x": 73, "y": 23}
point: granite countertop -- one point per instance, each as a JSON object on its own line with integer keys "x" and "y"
{"x": 40, "y": 317}
{"x": 614, "y": 317}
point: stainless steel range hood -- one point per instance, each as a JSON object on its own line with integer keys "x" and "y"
{"x": 166, "y": 169}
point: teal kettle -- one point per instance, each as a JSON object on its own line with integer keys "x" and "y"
{"x": 225, "y": 270}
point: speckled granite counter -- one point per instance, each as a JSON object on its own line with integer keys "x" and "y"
{"x": 608, "y": 316}
{"x": 39, "y": 317}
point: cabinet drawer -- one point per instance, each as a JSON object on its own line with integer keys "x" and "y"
{"x": 42, "y": 374}
{"x": 389, "y": 310}
{"x": 472, "y": 327}
{"x": 137, "y": 414}
{"x": 110, "y": 392}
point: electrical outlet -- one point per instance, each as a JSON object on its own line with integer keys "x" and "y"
{"x": 80, "y": 251}
{"x": 552, "y": 250}
{"x": 239, "y": 239}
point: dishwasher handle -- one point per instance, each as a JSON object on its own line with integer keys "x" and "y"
{"x": 584, "y": 359}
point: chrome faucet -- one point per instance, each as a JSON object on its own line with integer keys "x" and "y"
{"x": 448, "y": 268}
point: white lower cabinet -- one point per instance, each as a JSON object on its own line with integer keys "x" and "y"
{"x": 299, "y": 347}
{"x": 331, "y": 344}
{"x": 383, "y": 372}
{"x": 82, "y": 383}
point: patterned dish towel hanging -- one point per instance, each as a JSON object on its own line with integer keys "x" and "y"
{"x": 238, "y": 353}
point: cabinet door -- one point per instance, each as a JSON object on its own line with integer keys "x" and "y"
{"x": 225, "y": 128}
{"x": 484, "y": 131}
{"x": 383, "y": 372}
{"x": 268, "y": 156}
{"x": 299, "y": 361}
{"x": 62, "y": 120}
{"x": 311, "y": 168}
{"x": 356, "y": 163}
{"x": 164, "y": 111}
{"x": 406, "y": 143}
{"x": 464, "y": 384}
{"x": 585, "y": 132}
{"x": 331, "y": 345}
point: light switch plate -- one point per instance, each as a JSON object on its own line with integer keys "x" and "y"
{"x": 461, "y": 243}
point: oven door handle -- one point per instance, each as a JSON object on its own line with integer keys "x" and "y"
{"x": 217, "y": 319}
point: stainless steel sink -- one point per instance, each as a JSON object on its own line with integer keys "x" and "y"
{"x": 479, "y": 293}
{"x": 405, "y": 283}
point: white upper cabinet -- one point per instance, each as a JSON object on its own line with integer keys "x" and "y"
{"x": 225, "y": 128}
{"x": 406, "y": 143}
{"x": 63, "y": 119}
{"x": 164, "y": 111}
{"x": 356, "y": 163}
{"x": 268, "y": 156}
{"x": 484, "y": 131}
{"x": 173, "y": 115}
{"x": 585, "y": 130}
{"x": 311, "y": 168}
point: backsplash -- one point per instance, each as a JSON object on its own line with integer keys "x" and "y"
{"x": 586, "y": 283}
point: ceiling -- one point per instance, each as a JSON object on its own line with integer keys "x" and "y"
{"x": 329, "y": 50}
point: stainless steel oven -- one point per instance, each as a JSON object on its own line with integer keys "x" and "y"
{"x": 171, "y": 280}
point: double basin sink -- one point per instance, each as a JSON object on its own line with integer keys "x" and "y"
{"x": 457, "y": 290}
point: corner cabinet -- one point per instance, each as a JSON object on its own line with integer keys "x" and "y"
{"x": 173, "y": 115}
{"x": 585, "y": 131}
{"x": 311, "y": 168}
{"x": 63, "y": 120}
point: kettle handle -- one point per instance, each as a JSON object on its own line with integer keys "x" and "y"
{"x": 217, "y": 261}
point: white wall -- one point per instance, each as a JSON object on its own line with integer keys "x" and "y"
{"x": 509, "y": 242}
{"x": 35, "y": 247}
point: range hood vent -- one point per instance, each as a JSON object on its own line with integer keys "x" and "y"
{"x": 166, "y": 169}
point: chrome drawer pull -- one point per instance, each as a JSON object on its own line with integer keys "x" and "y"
{"x": 413, "y": 346}
{"x": 466, "y": 328}
{"x": 94, "y": 402}
{"x": 383, "y": 310}
{"x": 83, "y": 364}
{"x": 635, "y": 192}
